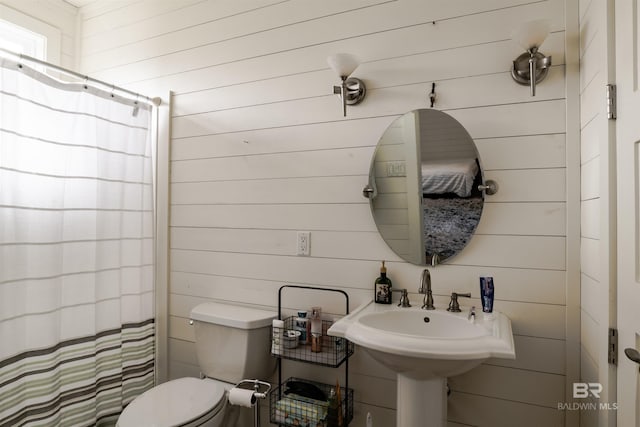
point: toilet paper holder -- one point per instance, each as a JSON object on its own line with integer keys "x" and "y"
{"x": 256, "y": 388}
{"x": 257, "y": 394}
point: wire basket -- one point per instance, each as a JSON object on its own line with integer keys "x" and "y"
{"x": 288, "y": 408}
{"x": 328, "y": 351}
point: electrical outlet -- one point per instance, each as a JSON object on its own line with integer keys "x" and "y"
{"x": 397, "y": 168}
{"x": 303, "y": 248}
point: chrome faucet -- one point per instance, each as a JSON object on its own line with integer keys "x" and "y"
{"x": 425, "y": 288}
{"x": 404, "y": 298}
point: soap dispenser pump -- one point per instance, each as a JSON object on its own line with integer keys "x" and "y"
{"x": 382, "y": 287}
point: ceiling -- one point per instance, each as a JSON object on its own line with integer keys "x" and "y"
{"x": 80, "y": 3}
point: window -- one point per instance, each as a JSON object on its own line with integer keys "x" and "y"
{"x": 23, "y": 34}
{"x": 20, "y": 40}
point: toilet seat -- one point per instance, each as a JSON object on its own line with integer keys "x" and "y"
{"x": 184, "y": 402}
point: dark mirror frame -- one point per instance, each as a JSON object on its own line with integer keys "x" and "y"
{"x": 424, "y": 197}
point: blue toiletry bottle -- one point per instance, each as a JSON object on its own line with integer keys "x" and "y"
{"x": 486, "y": 294}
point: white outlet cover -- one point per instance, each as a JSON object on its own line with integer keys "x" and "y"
{"x": 303, "y": 243}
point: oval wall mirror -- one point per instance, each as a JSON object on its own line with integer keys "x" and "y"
{"x": 423, "y": 187}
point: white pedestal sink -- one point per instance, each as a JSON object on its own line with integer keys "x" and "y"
{"x": 424, "y": 348}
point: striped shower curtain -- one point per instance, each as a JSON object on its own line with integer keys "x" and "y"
{"x": 76, "y": 252}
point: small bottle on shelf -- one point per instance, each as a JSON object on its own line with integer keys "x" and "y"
{"x": 277, "y": 331}
{"x": 316, "y": 320}
{"x": 301, "y": 323}
{"x": 316, "y": 329}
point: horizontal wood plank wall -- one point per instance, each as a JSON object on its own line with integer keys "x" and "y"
{"x": 56, "y": 13}
{"x": 260, "y": 150}
{"x": 596, "y": 231}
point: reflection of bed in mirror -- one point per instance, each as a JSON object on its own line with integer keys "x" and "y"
{"x": 452, "y": 205}
{"x": 449, "y": 176}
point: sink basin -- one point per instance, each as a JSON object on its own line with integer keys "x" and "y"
{"x": 423, "y": 348}
{"x": 423, "y": 344}
{"x": 422, "y": 324}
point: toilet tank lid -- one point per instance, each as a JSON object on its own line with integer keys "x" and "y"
{"x": 232, "y": 315}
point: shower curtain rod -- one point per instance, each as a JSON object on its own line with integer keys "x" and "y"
{"x": 18, "y": 57}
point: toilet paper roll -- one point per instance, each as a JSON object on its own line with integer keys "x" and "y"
{"x": 241, "y": 397}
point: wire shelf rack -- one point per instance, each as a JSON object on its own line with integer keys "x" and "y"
{"x": 288, "y": 408}
{"x": 331, "y": 352}
{"x": 291, "y": 409}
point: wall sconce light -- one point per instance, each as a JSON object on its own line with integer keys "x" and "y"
{"x": 531, "y": 63}
{"x": 352, "y": 90}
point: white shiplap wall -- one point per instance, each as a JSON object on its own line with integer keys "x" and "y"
{"x": 597, "y": 202}
{"x": 56, "y": 13}
{"x": 260, "y": 150}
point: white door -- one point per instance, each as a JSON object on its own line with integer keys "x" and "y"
{"x": 627, "y": 22}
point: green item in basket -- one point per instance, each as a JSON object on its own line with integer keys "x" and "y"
{"x": 304, "y": 411}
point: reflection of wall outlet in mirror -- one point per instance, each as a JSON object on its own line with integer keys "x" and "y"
{"x": 303, "y": 247}
{"x": 398, "y": 168}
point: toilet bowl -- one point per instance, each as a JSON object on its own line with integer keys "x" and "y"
{"x": 232, "y": 343}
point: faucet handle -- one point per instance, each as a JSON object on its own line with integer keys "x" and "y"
{"x": 454, "y": 306}
{"x": 404, "y": 298}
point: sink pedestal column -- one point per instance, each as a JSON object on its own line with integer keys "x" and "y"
{"x": 421, "y": 402}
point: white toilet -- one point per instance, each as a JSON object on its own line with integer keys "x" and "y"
{"x": 232, "y": 343}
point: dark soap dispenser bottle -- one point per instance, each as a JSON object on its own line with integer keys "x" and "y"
{"x": 382, "y": 287}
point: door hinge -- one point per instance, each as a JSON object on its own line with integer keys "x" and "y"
{"x": 611, "y": 102}
{"x": 613, "y": 346}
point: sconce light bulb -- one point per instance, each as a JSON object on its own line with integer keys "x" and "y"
{"x": 531, "y": 34}
{"x": 343, "y": 64}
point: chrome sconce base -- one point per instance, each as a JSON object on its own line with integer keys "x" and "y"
{"x": 490, "y": 187}
{"x": 352, "y": 91}
{"x": 530, "y": 63}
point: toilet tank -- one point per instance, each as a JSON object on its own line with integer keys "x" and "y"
{"x": 233, "y": 342}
